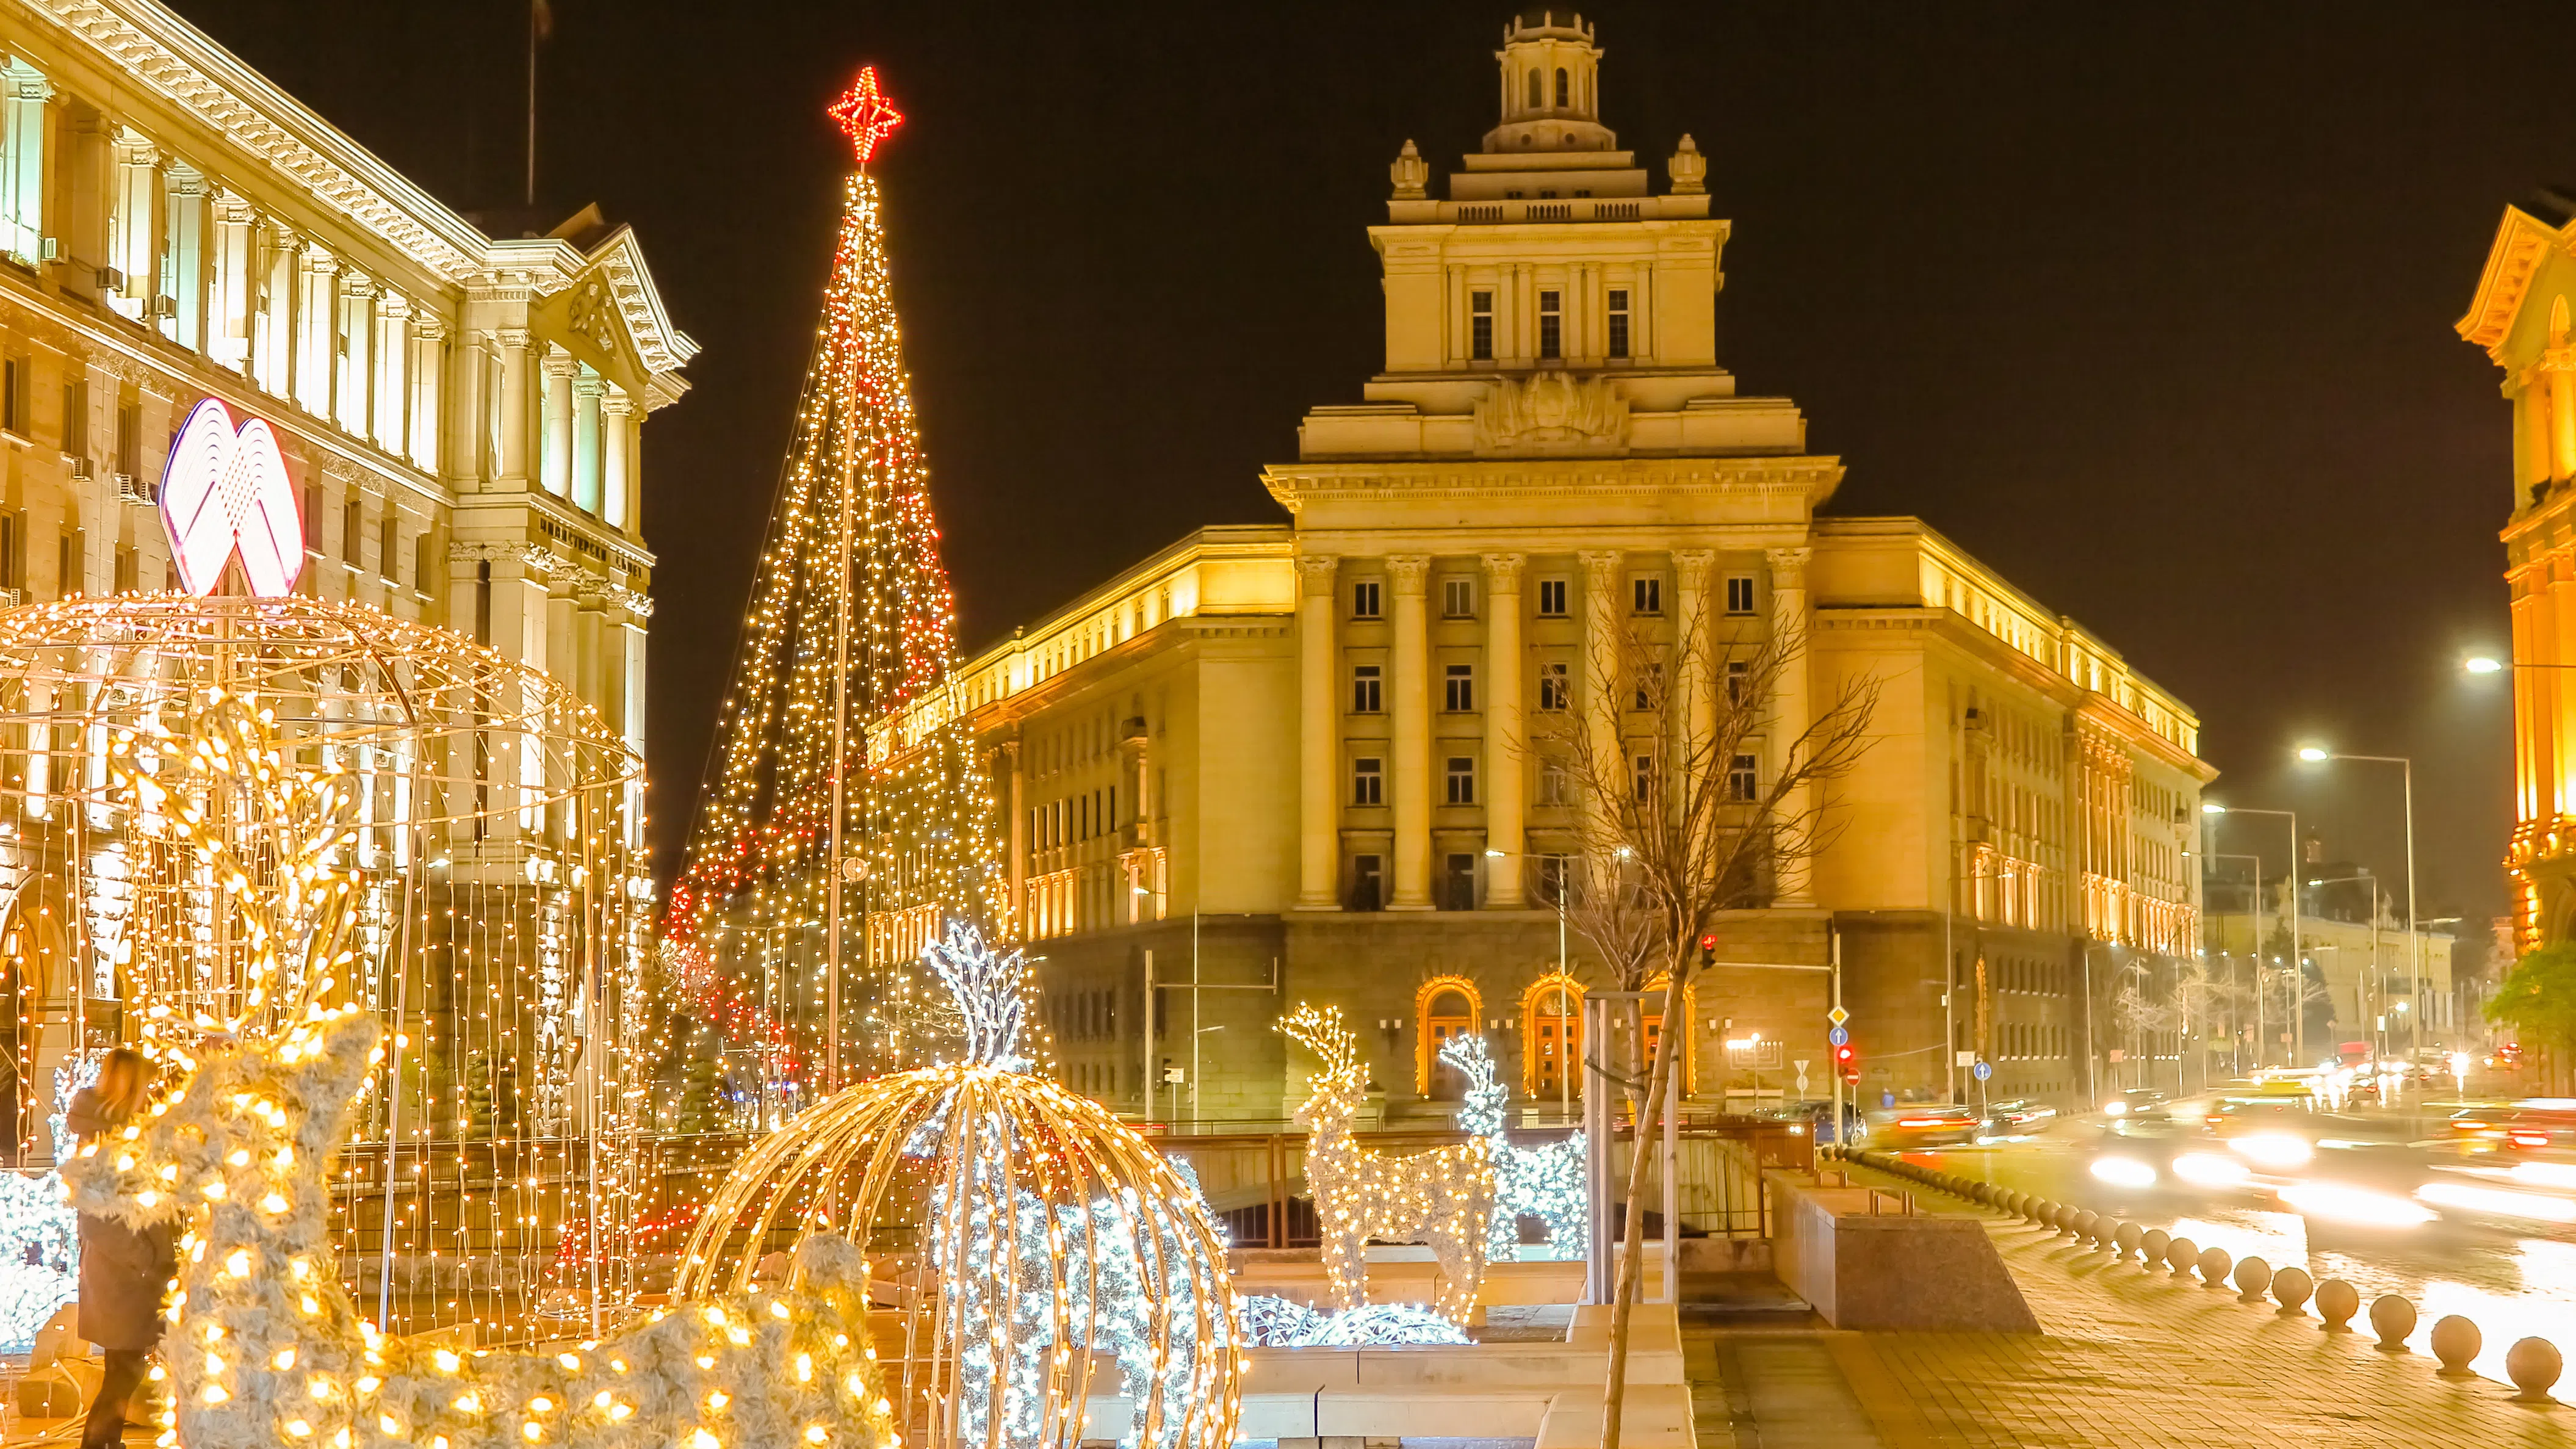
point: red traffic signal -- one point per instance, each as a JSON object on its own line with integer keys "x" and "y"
{"x": 1708, "y": 949}
{"x": 1843, "y": 1055}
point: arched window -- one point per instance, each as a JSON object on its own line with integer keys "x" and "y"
{"x": 1563, "y": 89}
{"x": 1551, "y": 1037}
{"x": 1654, "y": 1005}
{"x": 1446, "y": 1006}
{"x": 1535, "y": 99}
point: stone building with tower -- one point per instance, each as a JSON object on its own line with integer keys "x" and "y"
{"x": 1287, "y": 762}
{"x": 460, "y": 414}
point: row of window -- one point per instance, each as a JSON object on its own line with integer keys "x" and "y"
{"x": 1073, "y": 819}
{"x": 1458, "y": 597}
{"x": 1555, "y": 686}
{"x": 1555, "y": 785}
{"x": 1551, "y": 323}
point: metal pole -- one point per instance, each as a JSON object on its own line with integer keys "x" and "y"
{"x": 1145, "y": 1046}
{"x": 2414, "y": 937}
{"x": 1672, "y": 1162}
{"x": 1194, "y": 1018}
{"x": 1568, "y": 1014}
{"x": 2298, "y": 947}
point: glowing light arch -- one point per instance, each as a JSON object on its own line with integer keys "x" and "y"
{"x": 1426, "y": 1052}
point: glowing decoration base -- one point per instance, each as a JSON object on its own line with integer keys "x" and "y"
{"x": 1030, "y": 1238}
{"x": 265, "y": 1350}
{"x": 1443, "y": 1198}
{"x": 485, "y": 830}
{"x": 1279, "y": 1323}
{"x": 1543, "y": 1182}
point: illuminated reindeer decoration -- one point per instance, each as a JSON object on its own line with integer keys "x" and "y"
{"x": 1543, "y": 1182}
{"x": 1442, "y": 1198}
{"x": 265, "y": 1349}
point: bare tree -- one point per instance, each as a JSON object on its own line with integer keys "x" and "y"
{"x": 1681, "y": 816}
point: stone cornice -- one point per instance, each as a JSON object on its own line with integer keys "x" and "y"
{"x": 2522, "y": 243}
{"x": 1801, "y": 477}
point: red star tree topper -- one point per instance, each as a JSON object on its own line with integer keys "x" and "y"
{"x": 865, "y": 115}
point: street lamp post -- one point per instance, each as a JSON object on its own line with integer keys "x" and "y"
{"x": 2298, "y": 948}
{"x": 2414, "y": 939}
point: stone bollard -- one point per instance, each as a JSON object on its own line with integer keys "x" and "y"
{"x": 2533, "y": 1364}
{"x": 2151, "y": 1246}
{"x": 2456, "y": 1342}
{"x": 2085, "y": 1221}
{"x": 2128, "y": 1240}
{"x": 2182, "y": 1255}
{"x": 2291, "y": 1288}
{"x": 2253, "y": 1275}
{"x": 2213, "y": 1267}
{"x": 2392, "y": 1317}
{"x": 2106, "y": 1235}
{"x": 2066, "y": 1217}
{"x": 2337, "y": 1302}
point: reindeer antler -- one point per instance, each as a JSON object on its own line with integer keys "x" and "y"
{"x": 1319, "y": 1030}
{"x": 295, "y": 925}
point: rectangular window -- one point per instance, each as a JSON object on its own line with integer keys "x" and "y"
{"x": 1461, "y": 682}
{"x": 1642, "y": 776}
{"x": 353, "y": 527}
{"x": 1738, "y": 673}
{"x": 1368, "y": 882}
{"x": 129, "y": 439}
{"x": 1365, "y": 698}
{"x": 1368, "y": 781}
{"x": 389, "y": 550}
{"x": 1462, "y": 780}
{"x": 1547, "y": 881}
{"x": 13, "y": 395}
{"x": 129, "y": 571}
{"x": 313, "y": 517}
{"x": 1740, "y": 779}
{"x": 67, "y": 581}
{"x": 1739, "y": 593}
{"x": 23, "y": 93}
{"x": 1649, "y": 686}
{"x": 1457, "y": 598}
{"x": 1646, "y": 593}
{"x": 1551, "y": 326}
{"x": 1551, "y": 598}
{"x": 1364, "y": 599}
{"x": 1555, "y": 689}
{"x": 1458, "y": 882}
{"x": 424, "y": 568}
{"x": 1555, "y": 784}
{"x": 76, "y": 417}
{"x": 1480, "y": 326}
{"x": 1618, "y": 311}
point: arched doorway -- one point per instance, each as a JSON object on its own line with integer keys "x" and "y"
{"x": 1551, "y": 1037}
{"x": 1446, "y": 1006}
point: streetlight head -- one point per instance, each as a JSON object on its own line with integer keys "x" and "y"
{"x": 2212, "y": 807}
{"x": 2481, "y": 664}
{"x": 1491, "y": 854}
{"x": 2312, "y": 754}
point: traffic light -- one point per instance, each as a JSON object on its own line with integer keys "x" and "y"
{"x": 1846, "y": 1059}
{"x": 1708, "y": 949}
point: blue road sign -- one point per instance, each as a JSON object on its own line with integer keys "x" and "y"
{"x": 1839, "y": 1036}
{"x": 1982, "y": 1070}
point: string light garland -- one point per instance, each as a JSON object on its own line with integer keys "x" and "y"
{"x": 1443, "y": 1197}
{"x": 1029, "y": 1232}
{"x": 1279, "y": 1323}
{"x": 851, "y": 627}
{"x": 1543, "y": 1182}
{"x": 495, "y": 926}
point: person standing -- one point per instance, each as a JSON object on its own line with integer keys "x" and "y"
{"x": 124, "y": 1271}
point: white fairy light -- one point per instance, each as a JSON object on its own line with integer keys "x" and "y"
{"x": 1543, "y": 1182}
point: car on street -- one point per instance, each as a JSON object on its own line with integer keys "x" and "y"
{"x": 1946, "y": 1124}
{"x": 2018, "y": 1117}
{"x": 2135, "y": 1099}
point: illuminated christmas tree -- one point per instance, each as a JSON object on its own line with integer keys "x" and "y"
{"x": 847, "y": 818}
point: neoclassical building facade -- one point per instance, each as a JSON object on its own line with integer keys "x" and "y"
{"x": 1290, "y": 762}
{"x": 460, "y": 415}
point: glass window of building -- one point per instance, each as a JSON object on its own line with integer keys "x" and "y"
{"x": 1368, "y": 781}
{"x": 1480, "y": 326}
{"x": 1461, "y": 687}
{"x": 1551, "y": 325}
{"x": 1364, "y": 599}
{"x": 1618, "y": 316}
{"x": 1646, "y": 593}
{"x": 1457, "y": 598}
{"x": 1551, "y": 598}
{"x": 1462, "y": 780}
{"x": 1365, "y": 689}
{"x": 1739, "y": 593}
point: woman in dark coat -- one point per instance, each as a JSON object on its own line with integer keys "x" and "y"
{"x": 124, "y": 1272}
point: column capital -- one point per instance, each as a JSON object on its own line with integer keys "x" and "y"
{"x": 616, "y": 402}
{"x": 1503, "y": 572}
{"x": 427, "y": 326}
{"x": 589, "y": 384}
{"x": 357, "y": 284}
{"x": 559, "y": 363}
{"x": 1600, "y": 560}
{"x": 1691, "y": 566}
{"x": 513, "y": 339}
{"x": 1788, "y": 567}
{"x": 1405, "y": 571}
{"x": 314, "y": 258}
{"x": 1315, "y": 573}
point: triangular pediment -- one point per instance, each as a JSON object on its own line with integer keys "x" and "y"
{"x": 2523, "y": 244}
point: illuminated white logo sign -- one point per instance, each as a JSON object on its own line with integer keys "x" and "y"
{"x": 225, "y": 490}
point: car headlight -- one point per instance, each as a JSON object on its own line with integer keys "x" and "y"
{"x": 2123, "y": 1172}
{"x": 2208, "y": 1169}
{"x": 2279, "y": 1151}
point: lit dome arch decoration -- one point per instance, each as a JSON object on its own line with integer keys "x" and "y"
{"x": 497, "y": 934}
{"x": 1025, "y": 1229}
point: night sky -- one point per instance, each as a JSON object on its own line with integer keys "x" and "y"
{"x": 2150, "y": 307}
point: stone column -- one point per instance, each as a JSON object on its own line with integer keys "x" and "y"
{"x": 1318, "y": 737}
{"x": 2562, "y": 413}
{"x": 421, "y": 429}
{"x": 556, "y": 465}
{"x": 590, "y": 648}
{"x": 517, "y": 361}
{"x": 228, "y": 331}
{"x": 353, "y": 376}
{"x": 1506, "y": 771}
{"x": 587, "y": 464}
{"x": 1694, "y": 660}
{"x": 1789, "y": 696}
{"x": 1409, "y": 682}
{"x": 617, "y": 421}
{"x": 393, "y": 372}
{"x": 1602, "y": 608}
{"x": 316, "y": 354}
{"x": 1015, "y": 816}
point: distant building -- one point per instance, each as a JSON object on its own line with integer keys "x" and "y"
{"x": 2360, "y": 966}
{"x": 1293, "y": 752}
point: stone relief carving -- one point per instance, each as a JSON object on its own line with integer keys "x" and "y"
{"x": 1552, "y": 412}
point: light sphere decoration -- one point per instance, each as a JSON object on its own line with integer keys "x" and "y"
{"x": 1031, "y": 1241}
{"x": 187, "y": 783}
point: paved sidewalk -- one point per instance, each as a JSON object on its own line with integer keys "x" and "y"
{"x": 2127, "y": 1357}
